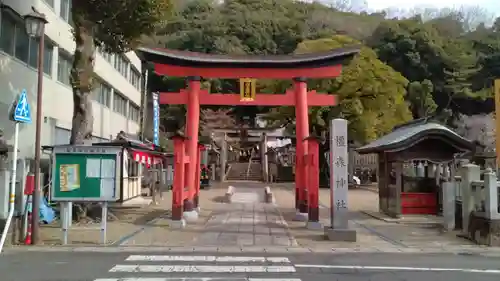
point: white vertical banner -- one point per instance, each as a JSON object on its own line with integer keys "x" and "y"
{"x": 338, "y": 174}
{"x": 156, "y": 119}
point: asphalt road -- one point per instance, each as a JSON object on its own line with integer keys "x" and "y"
{"x": 143, "y": 266}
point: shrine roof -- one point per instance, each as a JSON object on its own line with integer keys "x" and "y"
{"x": 123, "y": 140}
{"x": 237, "y": 129}
{"x": 412, "y": 133}
{"x": 275, "y": 133}
{"x": 202, "y": 60}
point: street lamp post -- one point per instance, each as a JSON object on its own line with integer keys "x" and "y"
{"x": 35, "y": 27}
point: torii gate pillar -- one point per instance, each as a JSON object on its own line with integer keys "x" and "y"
{"x": 191, "y": 131}
{"x": 302, "y": 132}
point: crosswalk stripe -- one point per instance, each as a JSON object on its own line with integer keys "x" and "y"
{"x": 197, "y": 279}
{"x": 199, "y": 268}
{"x": 401, "y": 268}
{"x": 208, "y": 259}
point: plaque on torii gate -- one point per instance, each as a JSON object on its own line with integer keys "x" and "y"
{"x": 196, "y": 66}
{"x": 248, "y": 89}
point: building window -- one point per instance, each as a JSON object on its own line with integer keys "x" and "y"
{"x": 119, "y": 104}
{"x": 66, "y": 10}
{"x": 102, "y": 94}
{"x": 48, "y": 51}
{"x": 62, "y": 136}
{"x": 33, "y": 54}
{"x": 15, "y": 42}
{"x": 64, "y": 68}
{"x": 135, "y": 79}
{"x": 22, "y": 44}
{"x": 107, "y": 56}
{"x": 50, "y": 3}
{"x": 47, "y": 56}
{"x": 133, "y": 112}
{"x": 8, "y": 34}
{"x": 122, "y": 65}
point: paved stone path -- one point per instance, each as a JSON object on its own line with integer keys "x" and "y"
{"x": 247, "y": 222}
{"x": 247, "y": 225}
{"x": 413, "y": 232}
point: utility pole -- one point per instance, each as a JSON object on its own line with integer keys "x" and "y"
{"x": 35, "y": 27}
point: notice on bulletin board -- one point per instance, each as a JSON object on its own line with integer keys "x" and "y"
{"x": 93, "y": 168}
{"x": 69, "y": 176}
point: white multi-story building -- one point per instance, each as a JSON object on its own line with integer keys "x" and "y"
{"x": 116, "y": 96}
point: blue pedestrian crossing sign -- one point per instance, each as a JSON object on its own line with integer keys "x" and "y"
{"x": 22, "y": 112}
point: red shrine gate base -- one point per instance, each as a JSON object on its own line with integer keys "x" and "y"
{"x": 194, "y": 66}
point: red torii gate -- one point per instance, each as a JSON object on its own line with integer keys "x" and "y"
{"x": 197, "y": 65}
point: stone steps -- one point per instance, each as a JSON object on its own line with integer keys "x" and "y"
{"x": 239, "y": 172}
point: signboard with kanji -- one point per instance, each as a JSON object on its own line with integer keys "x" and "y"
{"x": 248, "y": 88}
{"x": 156, "y": 119}
{"x": 338, "y": 171}
{"x": 86, "y": 174}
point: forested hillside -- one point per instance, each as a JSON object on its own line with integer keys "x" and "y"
{"x": 440, "y": 64}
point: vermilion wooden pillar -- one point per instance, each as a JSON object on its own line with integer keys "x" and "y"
{"x": 193, "y": 119}
{"x": 302, "y": 132}
{"x": 186, "y": 152}
{"x": 178, "y": 185}
{"x": 312, "y": 166}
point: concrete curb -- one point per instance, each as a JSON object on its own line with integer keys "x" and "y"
{"x": 408, "y": 221}
{"x": 379, "y": 217}
{"x": 488, "y": 252}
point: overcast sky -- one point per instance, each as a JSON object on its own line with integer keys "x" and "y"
{"x": 493, "y": 6}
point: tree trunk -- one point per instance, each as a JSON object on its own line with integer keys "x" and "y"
{"x": 82, "y": 74}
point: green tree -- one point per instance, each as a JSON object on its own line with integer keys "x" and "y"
{"x": 257, "y": 27}
{"x": 213, "y": 119}
{"x": 116, "y": 26}
{"x": 450, "y": 47}
{"x": 460, "y": 67}
{"x": 425, "y": 51}
{"x": 420, "y": 98}
{"x": 486, "y": 43}
{"x": 411, "y": 47}
{"x": 371, "y": 94}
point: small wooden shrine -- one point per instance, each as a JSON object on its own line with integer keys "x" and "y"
{"x": 411, "y": 159}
